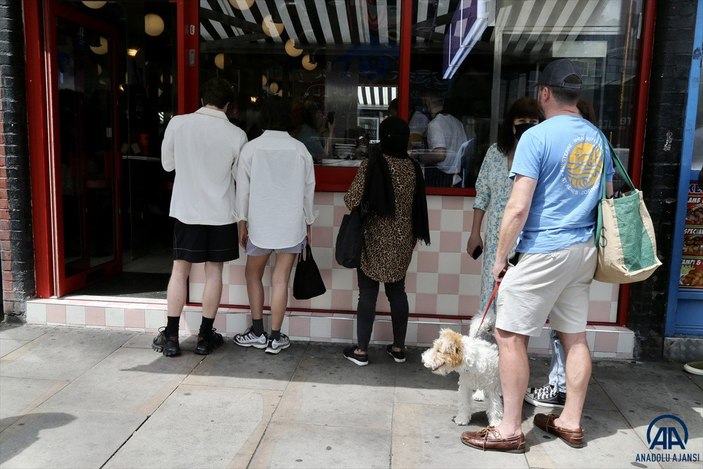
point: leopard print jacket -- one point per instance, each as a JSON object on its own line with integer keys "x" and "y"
{"x": 388, "y": 242}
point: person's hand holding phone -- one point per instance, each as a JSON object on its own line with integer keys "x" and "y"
{"x": 474, "y": 246}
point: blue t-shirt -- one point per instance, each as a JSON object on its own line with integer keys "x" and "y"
{"x": 565, "y": 155}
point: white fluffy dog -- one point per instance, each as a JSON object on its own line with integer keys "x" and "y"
{"x": 476, "y": 361}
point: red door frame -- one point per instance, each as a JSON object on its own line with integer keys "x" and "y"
{"x": 45, "y": 170}
{"x": 37, "y": 132}
{"x": 188, "y": 54}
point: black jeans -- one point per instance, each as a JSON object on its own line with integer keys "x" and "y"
{"x": 366, "y": 309}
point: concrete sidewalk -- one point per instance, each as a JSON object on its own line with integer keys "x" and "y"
{"x": 88, "y": 398}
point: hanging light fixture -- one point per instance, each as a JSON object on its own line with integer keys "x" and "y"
{"x": 309, "y": 62}
{"x": 291, "y": 49}
{"x": 153, "y": 24}
{"x": 220, "y": 61}
{"x": 270, "y": 27}
{"x": 241, "y": 4}
{"x": 94, "y": 5}
{"x": 102, "y": 48}
{"x": 273, "y": 87}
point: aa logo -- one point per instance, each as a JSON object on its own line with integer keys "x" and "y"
{"x": 584, "y": 165}
{"x": 669, "y": 432}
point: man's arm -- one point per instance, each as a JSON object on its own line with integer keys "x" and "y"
{"x": 514, "y": 217}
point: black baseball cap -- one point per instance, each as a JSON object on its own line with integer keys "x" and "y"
{"x": 561, "y": 73}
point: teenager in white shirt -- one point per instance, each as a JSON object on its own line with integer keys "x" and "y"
{"x": 274, "y": 203}
{"x": 202, "y": 147}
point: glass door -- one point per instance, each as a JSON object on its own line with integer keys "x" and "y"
{"x": 84, "y": 148}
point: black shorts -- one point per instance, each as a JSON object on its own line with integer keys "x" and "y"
{"x": 205, "y": 243}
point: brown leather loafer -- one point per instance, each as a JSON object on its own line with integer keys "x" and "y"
{"x": 545, "y": 422}
{"x": 489, "y": 439}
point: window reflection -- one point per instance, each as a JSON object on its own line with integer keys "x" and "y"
{"x": 469, "y": 59}
{"x": 337, "y": 65}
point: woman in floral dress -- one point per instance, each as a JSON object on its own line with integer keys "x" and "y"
{"x": 493, "y": 187}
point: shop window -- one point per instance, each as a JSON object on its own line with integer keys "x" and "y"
{"x": 336, "y": 65}
{"x": 469, "y": 59}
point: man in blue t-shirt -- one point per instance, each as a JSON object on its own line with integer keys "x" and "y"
{"x": 551, "y": 214}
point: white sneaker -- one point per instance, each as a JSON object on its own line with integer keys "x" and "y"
{"x": 249, "y": 339}
{"x": 276, "y": 345}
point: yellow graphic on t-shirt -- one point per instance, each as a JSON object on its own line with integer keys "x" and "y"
{"x": 584, "y": 165}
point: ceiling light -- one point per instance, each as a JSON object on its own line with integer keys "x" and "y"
{"x": 131, "y": 51}
{"x": 309, "y": 62}
{"x": 271, "y": 28}
{"x": 102, "y": 48}
{"x": 264, "y": 80}
{"x": 241, "y": 4}
{"x": 94, "y": 5}
{"x": 220, "y": 61}
{"x": 273, "y": 87}
{"x": 291, "y": 49}
{"x": 153, "y": 24}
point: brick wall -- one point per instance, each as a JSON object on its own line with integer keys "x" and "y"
{"x": 16, "y": 248}
{"x": 671, "y": 62}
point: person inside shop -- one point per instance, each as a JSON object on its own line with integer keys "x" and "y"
{"x": 203, "y": 148}
{"x": 445, "y": 135}
{"x": 274, "y": 206}
{"x": 390, "y": 185}
{"x": 311, "y": 127}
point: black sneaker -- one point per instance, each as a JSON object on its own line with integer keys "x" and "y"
{"x": 206, "y": 345}
{"x": 351, "y": 355}
{"x": 166, "y": 345}
{"x": 546, "y": 396}
{"x": 399, "y": 357}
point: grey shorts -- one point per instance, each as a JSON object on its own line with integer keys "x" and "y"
{"x": 554, "y": 285}
{"x": 254, "y": 250}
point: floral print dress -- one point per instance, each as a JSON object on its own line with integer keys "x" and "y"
{"x": 493, "y": 187}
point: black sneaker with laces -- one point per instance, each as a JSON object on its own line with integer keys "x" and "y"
{"x": 545, "y": 396}
{"x": 399, "y": 357}
{"x": 351, "y": 355}
{"x": 167, "y": 345}
{"x": 206, "y": 345}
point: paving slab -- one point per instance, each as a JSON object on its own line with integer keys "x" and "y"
{"x": 300, "y": 445}
{"x": 130, "y": 380}
{"x": 10, "y": 345}
{"x": 23, "y": 332}
{"x": 242, "y": 367}
{"x": 424, "y": 437}
{"x": 19, "y": 396}
{"x": 200, "y": 427}
{"x": 73, "y": 440}
{"x": 62, "y": 353}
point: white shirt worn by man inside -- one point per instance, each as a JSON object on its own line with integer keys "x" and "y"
{"x": 203, "y": 148}
{"x": 275, "y": 190}
{"x": 446, "y": 131}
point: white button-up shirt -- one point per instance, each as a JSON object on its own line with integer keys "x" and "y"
{"x": 203, "y": 148}
{"x": 275, "y": 190}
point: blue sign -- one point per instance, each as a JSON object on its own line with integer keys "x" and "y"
{"x": 669, "y": 436}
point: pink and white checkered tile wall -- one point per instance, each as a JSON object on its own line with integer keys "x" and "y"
{"x": 443, "y": 286}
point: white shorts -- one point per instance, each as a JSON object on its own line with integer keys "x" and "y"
{"x": 554, "y": 285}
{"x": 254, "y": 250}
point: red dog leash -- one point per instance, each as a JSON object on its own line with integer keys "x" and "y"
{"x": 496, "y": 285}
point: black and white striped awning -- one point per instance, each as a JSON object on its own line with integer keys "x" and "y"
{"x": 320, "y": 23}
{"x": 375, "y": 97}
{"x": 524, "y": 25}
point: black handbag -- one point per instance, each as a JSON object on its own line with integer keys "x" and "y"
{"x": 307, "y": 282}
{"x": 350, "y": 240}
